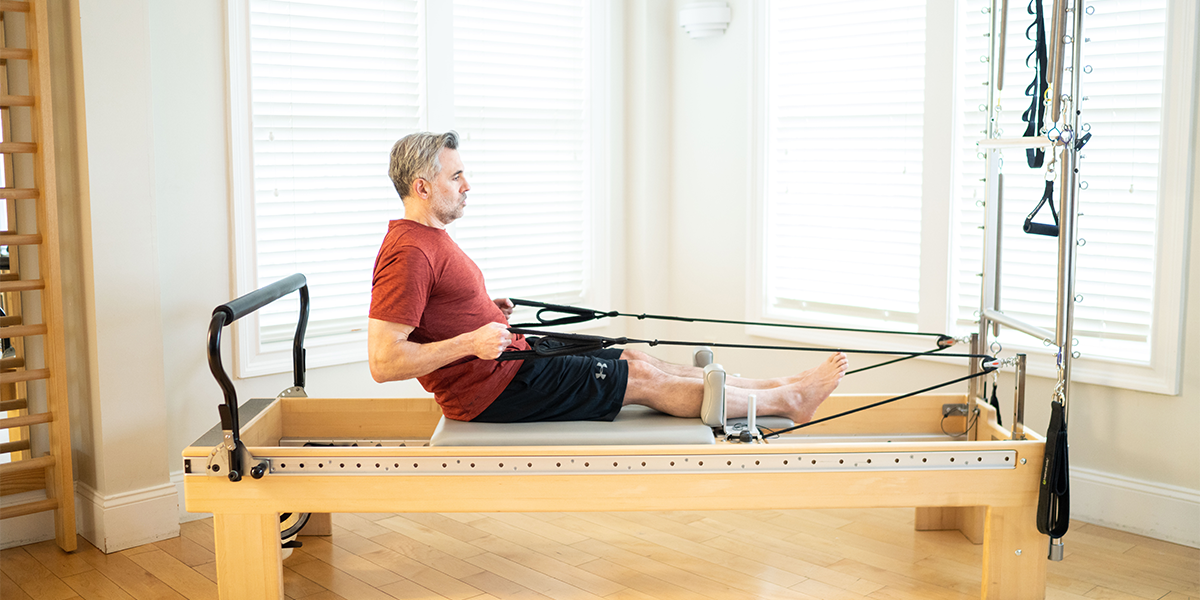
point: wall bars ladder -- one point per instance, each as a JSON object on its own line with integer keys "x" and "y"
{"x": 32, "y": 325}
{"x": 1061, "y": 45}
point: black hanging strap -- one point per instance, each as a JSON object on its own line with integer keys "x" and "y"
{"x": 1054, "y": 497}
{"x": 1043, "y": 228}
{"x": 1035, "y": 116}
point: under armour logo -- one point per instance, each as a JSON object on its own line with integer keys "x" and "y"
{"x": 601, "y": 374}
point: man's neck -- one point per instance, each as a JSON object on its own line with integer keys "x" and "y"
{"x": 419, "y": 214}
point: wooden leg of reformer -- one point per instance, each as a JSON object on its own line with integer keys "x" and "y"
{"x": 1014, "y": 555}
{"x": 249, "y": 557}
{"x": 318, "y": 524}
{"x": 967, "y": 519}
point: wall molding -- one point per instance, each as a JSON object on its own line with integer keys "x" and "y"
{"x": 1156, "y": 510}
{"x": 121, "y": 521}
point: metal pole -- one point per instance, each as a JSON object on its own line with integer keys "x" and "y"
{"x": 1069, "y": 230}
{"x": 1018, "y": 426}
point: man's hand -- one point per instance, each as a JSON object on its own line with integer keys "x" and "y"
{"x": 505, "y": 305}
{"x": 489, "y": 341}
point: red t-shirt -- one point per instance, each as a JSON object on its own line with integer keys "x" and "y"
{"x": 423, "y": 279}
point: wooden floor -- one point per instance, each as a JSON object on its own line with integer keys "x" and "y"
{"x": 826, "y": 554}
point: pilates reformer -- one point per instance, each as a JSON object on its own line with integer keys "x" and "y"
{"x": 294, "y": 454}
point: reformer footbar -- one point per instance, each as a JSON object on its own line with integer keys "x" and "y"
{"x": 578, "y": 314}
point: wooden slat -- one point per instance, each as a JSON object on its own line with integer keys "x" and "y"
{"x": 22, "y": 331}
{"x": 10, "y": 276}
{"x": 18, "y": 148}
{"x": 17, "y": 53}
{"x": 19, "y": 193}
{"x": 17, "y": 446}
{"x": 14, "y": 6}
{"x": 12, "y": 362}
{"x": 26, "y": 421}
{"x": 9, "y": 100}
{"x": 10, "y": 320}
{"x": 18, "y": 404}
{"x": 28, "y": 508}
{"x": 26, "y": 285}
{"x": 19, "y": 483}
{"x": 28, "y": 375}
{"x": 22, "y": 466}
{"x": 16, "y": 239}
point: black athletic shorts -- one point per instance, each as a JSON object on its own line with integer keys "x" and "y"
{"x": 586, "y": 387}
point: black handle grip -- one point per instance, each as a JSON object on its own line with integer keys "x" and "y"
{"x": 244, "y": 305}
{"x": 1041, "y": 229}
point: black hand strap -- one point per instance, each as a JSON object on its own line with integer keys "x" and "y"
{"x": 1041, "y": 228}
{"x": 1035, "y": 116}
{"x": 1054, "y": 497}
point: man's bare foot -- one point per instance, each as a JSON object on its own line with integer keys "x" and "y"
{"x": 813, "y": 386}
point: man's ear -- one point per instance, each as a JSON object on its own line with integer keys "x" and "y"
{"x": 420, "y": 188}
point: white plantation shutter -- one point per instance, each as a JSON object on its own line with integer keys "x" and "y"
{"x": 1116, "y": 267}
{"x": 521, "y": 90}
{"x": 333, "y": 86}
{"x": 845, "y": 102}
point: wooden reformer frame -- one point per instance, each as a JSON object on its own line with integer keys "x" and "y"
{"x": 897, "y": 455}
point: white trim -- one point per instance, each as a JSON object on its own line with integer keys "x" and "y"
{"x": 26, "y": 529}
{"x": 121, "y": 521}
{"x": 1157, "y": 510}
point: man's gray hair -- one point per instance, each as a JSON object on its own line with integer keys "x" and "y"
{"x": 415, "y": 156}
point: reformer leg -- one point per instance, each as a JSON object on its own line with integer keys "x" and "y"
{"x": 967, "y": 519}
{"x": 249, "y": 558}
{"x": 1014, "y": 555}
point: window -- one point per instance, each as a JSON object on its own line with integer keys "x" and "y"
{"x": 320, "y": 92}
{"x": 924, "y": 263}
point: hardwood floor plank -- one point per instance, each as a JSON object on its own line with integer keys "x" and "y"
{"x": 550, "y": 547}
{"x": 430, "y": 537}
{"x": 528, "y": 577}
{"x": 530, "y": 523}
{"x": 34, "y": 579}
{"x": 408, "y": 589}
{"x": 91, "y": 585}
{"x": 428, "y": 577}
{"x": 445, "y": 525}
{"x": 679, "y": 530}
{"x": 426, "y": 555}
{"x": 548, "y": 566}
{"x": 179, "y": 576}
{"x": 338, "y": 581}
{"x": 186, "y": 551}
{"x": 56, "y": 561}
{"x": 824, "y": 591}
{"x": 132, "y": 578}
{"x": 356, "y": 523}
{"x": 900, "y": 587}
{"x": 9, "y": 590}
{"x": 641, "y": 583}
{"x": 200, "y": 532}
{"x": 500, "y": 587}
{"x": 352, "y": 564}
{"x": 296, "y": 585}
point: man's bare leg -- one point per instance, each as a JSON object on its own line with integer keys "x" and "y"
{"x": 741, "y": 382}
{"x": 682, "y": 396}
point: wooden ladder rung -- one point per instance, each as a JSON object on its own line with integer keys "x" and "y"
{"x": 18, "y": 193}
{"x": 25, "y": 421}
{"x": 18, "y": 147}
{"x": 17, "y": 446}
{"x": 18, "y": 404}
{"x": 29, "y": 508}
{"x": 24, "y": 285}
{"x": 10, "y": 276}
{"x": 22, "y": 331}
{"x": 14, "y": 6}
{"x": 9, "y": 320}
{"x": 17, "y": 53}
{"x": 20, "y": 239}
{"x": 27, "y": 375}
{"x": 12, "y": 362}
{"x": 9, "y": 100}
{"x": 22, "y": 466}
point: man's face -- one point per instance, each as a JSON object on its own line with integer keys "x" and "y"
{"x": 449, "y": 194}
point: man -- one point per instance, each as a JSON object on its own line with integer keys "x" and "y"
{"x": 431, "y": 319}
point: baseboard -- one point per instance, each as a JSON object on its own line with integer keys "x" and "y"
{"x": 184, "y": 515}
{"x": 1156, "y": 510}
{"x": 121, "y": 521}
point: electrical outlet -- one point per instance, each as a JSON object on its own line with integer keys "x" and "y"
{"x": 954, "y": 410}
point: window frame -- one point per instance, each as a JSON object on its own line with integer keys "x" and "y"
{"x": 1162, "y": 373}
{"x": 251, "y": 358}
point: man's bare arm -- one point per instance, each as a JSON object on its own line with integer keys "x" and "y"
{"x": 393, "y": 358}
